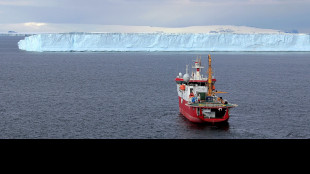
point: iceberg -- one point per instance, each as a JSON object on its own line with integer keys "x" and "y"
{"x": 161, "y": 41}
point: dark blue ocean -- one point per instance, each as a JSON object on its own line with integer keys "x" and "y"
{"x": 125, "y": 95}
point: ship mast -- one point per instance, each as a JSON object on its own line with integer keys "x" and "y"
{"x": 210, "y": 93}
{"x": 198, "y": 68}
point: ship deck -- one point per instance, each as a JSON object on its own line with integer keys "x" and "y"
{"x": 211, "y": 105}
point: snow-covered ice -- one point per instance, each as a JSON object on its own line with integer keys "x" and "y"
{"x": 160, "y": 41}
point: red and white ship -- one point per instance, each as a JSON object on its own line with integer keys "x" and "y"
{"x": 197, "y": 96}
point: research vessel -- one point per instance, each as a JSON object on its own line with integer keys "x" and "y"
{"x": 198, "y": 100}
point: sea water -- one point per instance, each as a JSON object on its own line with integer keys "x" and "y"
{"x": 133, "y": 94}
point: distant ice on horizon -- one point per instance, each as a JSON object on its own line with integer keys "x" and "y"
{"x": 146, "y": 38}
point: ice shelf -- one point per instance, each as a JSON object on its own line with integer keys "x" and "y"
{"x": 161, "y": 41}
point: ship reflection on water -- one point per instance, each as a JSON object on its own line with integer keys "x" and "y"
{"x": 206, "y": 125}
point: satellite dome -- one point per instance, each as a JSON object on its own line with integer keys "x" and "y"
{"x": 186, "y": 78}
{"x": 180, "y": 75}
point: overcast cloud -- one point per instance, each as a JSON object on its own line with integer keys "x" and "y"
{"x": 275, "y": 14}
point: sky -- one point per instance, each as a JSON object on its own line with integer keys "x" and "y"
{"x": 286, "y": 15}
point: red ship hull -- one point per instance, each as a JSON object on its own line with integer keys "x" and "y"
{"x": 191, "y": 114}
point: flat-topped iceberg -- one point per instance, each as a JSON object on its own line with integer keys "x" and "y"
{"x": 161, "y": 41}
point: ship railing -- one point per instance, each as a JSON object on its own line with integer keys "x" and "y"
{"x": 205, "y": 104}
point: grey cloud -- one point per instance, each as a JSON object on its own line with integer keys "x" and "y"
{"x": 277, "y": 14}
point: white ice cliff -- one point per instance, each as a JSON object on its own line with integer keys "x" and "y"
{"x": 161, "y": 41}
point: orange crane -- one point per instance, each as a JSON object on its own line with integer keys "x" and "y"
{"x": 210, "y": 84}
